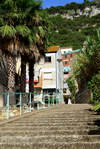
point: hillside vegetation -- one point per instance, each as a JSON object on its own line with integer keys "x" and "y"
{"x": 72, "y": 23}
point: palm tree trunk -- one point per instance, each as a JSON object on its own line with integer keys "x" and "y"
{"x": 23, "y": 74}
{"x": 11, "y": 77}
{"x": 11, "y": 72}
{"x": 31, "y": 78}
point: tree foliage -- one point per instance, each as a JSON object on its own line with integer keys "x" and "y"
{"x": 72, "y": 86}
{"x": 67, "y": 32}
{"x": 94, "y": 86}
{"x": 86, "y": 66}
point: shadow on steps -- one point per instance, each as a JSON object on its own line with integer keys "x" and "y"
{"x": 97, "y": 131}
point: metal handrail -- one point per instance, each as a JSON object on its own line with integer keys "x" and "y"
{"x": 45, "y": 102}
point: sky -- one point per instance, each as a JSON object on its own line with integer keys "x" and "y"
{"x": 49, "y": 3}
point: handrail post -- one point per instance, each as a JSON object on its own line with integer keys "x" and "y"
{"x": 48, "y": 100}
{"x": 44, "y": 100}
{"x": 56, "y": 98}
{"x": 37, "y": 106}
{"x": 30, "y": 101}
{"x": 53, "y": 99}
{"x": 7, "y": 105}
{"x": 20, "y": 103}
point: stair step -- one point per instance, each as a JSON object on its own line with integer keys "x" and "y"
{"x": 69, "y": 123}
{"x": 54, "y": 130}
{"x": 57, "y": 120}
{"x": 60, "y": 127}
{"x": 34, "y": 132}
{"x": 50, "y": 138}
{"x": 51, "y": 145}
{"x": 67, "y": 127}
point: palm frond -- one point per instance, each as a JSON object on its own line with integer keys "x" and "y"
{"x": 96, "y": 107}
{"x": 8, "y": 5}
{"x": 32, "y": 39}
{"x": 98, "y": 35}
{"x": 23, "y": 30}
{"x": 17, "y": 15}
{"x": 7, "y": 31}
{"x": 41, "y": 31}
{"x": 32, "y": 6}
{"x": 1, "y": 22}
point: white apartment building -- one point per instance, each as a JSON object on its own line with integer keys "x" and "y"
{"x": 49, "y": 71}
{"x": 66, "y": 49}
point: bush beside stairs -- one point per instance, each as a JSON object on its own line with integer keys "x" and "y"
{"x": 72, "y": 126}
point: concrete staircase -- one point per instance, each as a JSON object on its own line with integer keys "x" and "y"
{"x": 61, "y": 127}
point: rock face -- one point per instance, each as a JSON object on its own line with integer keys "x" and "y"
{"x": 61, "y": 127}
{"x": 88, "y": 11}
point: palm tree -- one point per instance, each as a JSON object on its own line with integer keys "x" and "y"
{"x": 10, "y": 34}
{"x": 38, "y": 42}
{"x": 41, "y": 45}
{"x": 17, "y": 31}
{"x": 23, "y": 31}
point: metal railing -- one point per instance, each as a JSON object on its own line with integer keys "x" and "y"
{"x": 22, "y": 103}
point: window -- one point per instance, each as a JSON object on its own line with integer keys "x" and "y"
{"x": 65, "y": 56}
{"x": 47, "y": 75}
{"x": 66, "y": 63}
{"x": 70, "y": 55}
{"x": 66, "y": 72}
{"x": 48, "y": 59}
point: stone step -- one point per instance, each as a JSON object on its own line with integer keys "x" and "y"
{"x": 61, "y": 118}
{"x": 60, "y": 127}
{"x": 68, "y": 123}
{"x": 55, "y": 121}
{"x": 51, "y": 145}
{"x": 64, "y": 113}
{"x": 64, "y": 116}
{"x": 24, "y": 128}
{"x": 49, "y": 131}
{"x": 50, "y": 138}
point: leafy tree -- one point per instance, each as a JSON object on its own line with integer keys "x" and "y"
{"x": 87, "y": 61}
{"x": 86, "y": 1}
{"x": 72, "y": 86}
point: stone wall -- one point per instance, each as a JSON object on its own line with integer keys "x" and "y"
{"x": 83, "y": 95}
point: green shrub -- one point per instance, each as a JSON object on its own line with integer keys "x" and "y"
{"x": 96, "y": 107}
{"x": 94, "y": 86}
{"x": 72, "y": 86}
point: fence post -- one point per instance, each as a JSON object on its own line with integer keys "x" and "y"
{"x": 56, "y": 98}
{"x": 37, "y": 106}
{"x": 30, "y": 101}
{"x": 53, "y": 99}
{"x": 43, "y": 100}
{"x": 48, "y": 100}
{"x": 7, "y": 105}
{"x": 20, "y": 104}
{"x": 60, "y": 98}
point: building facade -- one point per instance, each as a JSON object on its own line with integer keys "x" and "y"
{"x": 67, "y": 60}
{"x": 66, "y": 49}
{"x": 49, "y": 71}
